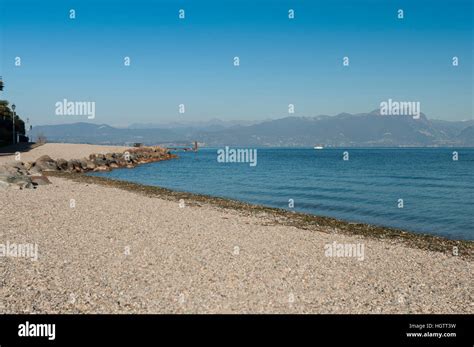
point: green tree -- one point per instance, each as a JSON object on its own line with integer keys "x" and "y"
{"x": 6, "y": 115}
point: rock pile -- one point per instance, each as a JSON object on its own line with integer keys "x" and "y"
{"x": 21, "y": 175}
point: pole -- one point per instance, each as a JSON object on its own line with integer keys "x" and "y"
{"x": 13, "y": 122}
{"x": 13, "y": 126}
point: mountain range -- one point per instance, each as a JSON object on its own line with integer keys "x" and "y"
{"x": 343, "y": 130}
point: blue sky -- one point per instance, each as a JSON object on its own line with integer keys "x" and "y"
{"x": 190, "y": 61}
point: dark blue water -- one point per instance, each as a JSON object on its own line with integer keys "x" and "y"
{"x": 437, "y": 192}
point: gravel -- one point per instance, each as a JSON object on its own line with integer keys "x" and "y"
{"x": 117, "y": 251}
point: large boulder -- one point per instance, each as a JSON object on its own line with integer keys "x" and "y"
{"x": 110, "y": 157}
{"x": 83, "y": 164}
{"x": 102, "y": 168}
{"x": 40, "y": 180}
{"x": 75, "y": 165}
{"x": 45, "y": 163}
{"x": 90, "y": 165}
{"x": 16, "y": 181}
{"x": 13, "y": 169}
{"x": 99, "y": 160}
{"x": 28, "y": 165}
{"x": 62, "y": 164}
{"x": 71, "y": 164}
{"x": 20, "y": 167}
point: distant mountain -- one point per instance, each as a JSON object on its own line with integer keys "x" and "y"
{"x": 466, "y": 136}
{"x": 101, "y": 134}
{"x": 343, "y": 130}
{"x": 210, "y": 125}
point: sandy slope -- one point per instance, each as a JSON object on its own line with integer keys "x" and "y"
{"x": 119, "y": 251}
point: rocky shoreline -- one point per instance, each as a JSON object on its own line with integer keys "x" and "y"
{"x": 28, "y": 175}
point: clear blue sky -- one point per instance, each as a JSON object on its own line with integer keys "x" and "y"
{"x": 191, "y": 61}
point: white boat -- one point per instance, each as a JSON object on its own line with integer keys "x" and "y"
{"x": 318, "y": 147}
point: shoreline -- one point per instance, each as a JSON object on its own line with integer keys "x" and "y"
{"x": 280, "y": 216}
{"x": 112, "y": 247}
{"x": 291, "y": 218}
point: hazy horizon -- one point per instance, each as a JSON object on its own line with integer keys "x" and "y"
{"x": 190, "y": 122}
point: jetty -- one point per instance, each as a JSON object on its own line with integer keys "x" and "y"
{"x": 184, "y": 147}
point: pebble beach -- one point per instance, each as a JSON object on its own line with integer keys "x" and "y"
{"x": 104, "y": 249}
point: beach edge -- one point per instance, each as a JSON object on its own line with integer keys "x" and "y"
{"x": 456, "y": 248}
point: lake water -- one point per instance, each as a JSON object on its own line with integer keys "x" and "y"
{"x": 437, "y": 192}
